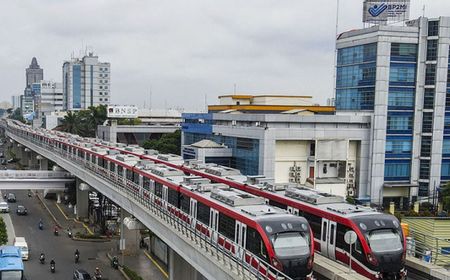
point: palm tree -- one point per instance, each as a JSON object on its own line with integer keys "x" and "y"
{"x": 71, "y": 123}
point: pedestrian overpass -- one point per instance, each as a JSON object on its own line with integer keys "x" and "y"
{"x": 34, "y": 179}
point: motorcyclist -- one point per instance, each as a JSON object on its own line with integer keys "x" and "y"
{"x": 55, "y": 230}
{"x": 42, "y": 258}
{"x": 52, "y": 265}
{"x": 97, "y": 273}
{"x": 41, "y": 225}
{"x": 77, "y": 255}
{"x": 115, "y": 262}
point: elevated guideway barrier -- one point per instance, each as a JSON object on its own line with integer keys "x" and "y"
{"x": 34, "y": 179}
{"x": 200, "y": 251}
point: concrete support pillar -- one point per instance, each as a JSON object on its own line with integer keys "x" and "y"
{"x": 180, "y": 269}
{"x": 392, "y": 208}
{"x": 43, "y": 163}
{"x": 24, "y": 156}
{"x": 82, "y": 190}
{"x": 33, "y": 161}
{"x": 131, "y": 236}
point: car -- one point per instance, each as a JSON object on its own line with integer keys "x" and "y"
{"x": 21, "y": 210}
{"x": 80, "y": 274}
{"x": 4, "y": 207}
{"x": 11, "y": 197}
{"x": 3, "y": 161}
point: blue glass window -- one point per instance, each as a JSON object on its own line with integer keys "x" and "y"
{"x": 398, "y": 123}
{"x": 398, "y": 147}
{"x": 445, "y": 169}
{"x": 446, "y": 146}
{"x": 355, "y": 98}
{"x": 447, "y": 123}
{"x": 356, "y": 75}
{"x": 401, "y": 98}
{"x": 403, "y": 52}
{"x": 397, "y": 170}
{"x": 402, "y": 74}
{"x": 357, "y": 54}
{"x": 76, "y": 86}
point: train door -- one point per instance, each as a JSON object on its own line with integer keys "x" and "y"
{"x": 214, "y": 222}
{"x": 193, "y": 212}
{"x": 165, "y": 195}
{"x": 328, "y": 238}
{"x": 240, "y": 237}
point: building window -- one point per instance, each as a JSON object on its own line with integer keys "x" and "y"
{"x": 430, "y": 74}
{"x": 403, "y": 52}
{"x": 424, "y": 169}
{"x": 101, "y": 99}
{"x": 101, "y": 87}
{"x": 398, "y": 146}
{"x": 106, "y": 75}
{"x": 355, "y": 98}
{"x": 425, "y": 149}
{"x": 401, "y": 98}
{"x": 423, "y": 188}
{"x": 106, "y": 99}
{"x": 357, "y": 54}
{"x": 101, "y": 68}
{"x": 100, "y": 75}
{"x": 447, "y": 123}
{"x": 428, "y": 98}
{"x": 101, "y": 93}
{"x": 106, "y": 87}
{"x": 432, "y": 49}
{"x": 402, "y": 74}
{"x": 399, "y": 122}
{"x": 445, "y": 170}
{"x": 397, "y": 170}
{"x": 446, "y": 146}
{"x": 106, "y": 69}
{"x": 433, "y": 28}
{"x": 427, "y": 122}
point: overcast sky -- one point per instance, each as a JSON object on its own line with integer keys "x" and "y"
{"x": 184, "y": 50}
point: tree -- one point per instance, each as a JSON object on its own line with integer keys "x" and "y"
{"x": 445, "y": 193}
{"x": 168, "y": 143}
{"x": 3, "y": 232}
{"x": 71, "y": 123}
{"x": 84, "y": 122}
{"x": 17, "y": 115}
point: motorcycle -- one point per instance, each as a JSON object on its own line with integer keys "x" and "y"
{"x": 69, "y": 233}
{"x": 77, "y": 258}
{"x": 56, "y": 231}
{"x": 41, "y": 226}
{"x": 29, "y": 194}
{"x": 97, "y": 274}
{"x": 42, "y": 259}
{"x": 52, "y": 267}
{"x": 115, "y": 263}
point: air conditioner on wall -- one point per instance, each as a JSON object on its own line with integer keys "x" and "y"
{"x": 292, "y": 168}
{"x": 291, "y": 174}
{"x": 291, "y": 180}
{"x": 298, "y": 168}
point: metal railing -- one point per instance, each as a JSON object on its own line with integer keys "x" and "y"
{"x": 238, "y": 259}
{"x": 37, "y": 174}
{"x": 428, "y": 248}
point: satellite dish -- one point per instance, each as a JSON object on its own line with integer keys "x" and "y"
{"x": 350, "y": 237}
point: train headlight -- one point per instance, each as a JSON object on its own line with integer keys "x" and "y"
{"x": 371, "y": 258}
{"x": 277, "y": 264}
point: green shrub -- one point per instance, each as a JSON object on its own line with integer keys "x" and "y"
{"x": 130, "y": 273}
{"x": 3, "y": 232}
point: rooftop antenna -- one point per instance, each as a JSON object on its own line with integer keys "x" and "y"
{"x": 234, "y": 89}
{"x": 423, "y": 10}
{"x": 206, "y": 102}
{"x": 150, "y": 105}
{"x": 335, "y": 48}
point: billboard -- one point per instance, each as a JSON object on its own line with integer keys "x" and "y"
{"x": 122, "y": 112}
{"x": 385, "y": 11}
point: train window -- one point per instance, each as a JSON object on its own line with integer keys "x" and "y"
{"x": 93, "y": 159}
{"x": 185, "y": 202}
{"x": 255, "y": 244}
{"x": 101, "y": 162}
{"x": 203, "y": 213}
{"x": 226, "y": 226}
{"x": 315, "y": 222}
{"x": 158, "y": 189}
{"x": 146, "y": 183}
{"x": 324, "y": 231}
{"x": 129, "y": 174}
{"x": 173, "y": 197}
{"x": 358, "y": 247}
{"x": 277, "y": 204}
{"x": 340, "y": 242}
{"x": 120, "y": 170}
{"x": 331, "y": 234}
{"x": 112, "y": 167}
{"x": 136, "y": 178}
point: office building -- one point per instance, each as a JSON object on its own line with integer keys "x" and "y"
{"x": 86, "y": 82}
{"x": 34, "y": 73}
{"x": 49, "y": 100}
{"x": 398, "y": 75}
{"x": 27, "y": 106}
{"x": 15, "y": 100}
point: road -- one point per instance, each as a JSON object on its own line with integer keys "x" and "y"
{"x": 60, "y": 248}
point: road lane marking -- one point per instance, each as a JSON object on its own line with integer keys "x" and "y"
{"x": 73, "y": 219}
{"x": 157, "y": 265}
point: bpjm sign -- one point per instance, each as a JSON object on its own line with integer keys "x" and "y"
{"x": 384, "y": 11}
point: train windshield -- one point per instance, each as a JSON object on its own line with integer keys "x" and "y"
{"x": 385, "y": 240}
{"x": 290, "y": 244}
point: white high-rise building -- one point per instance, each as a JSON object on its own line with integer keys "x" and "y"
{"x": 86, "y": 82}
{"x": 15, "y": 99}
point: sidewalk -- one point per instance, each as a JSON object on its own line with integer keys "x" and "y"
{"x": 142, "y": 263}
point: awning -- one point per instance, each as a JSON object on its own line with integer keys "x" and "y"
{"x": 400, "y": 185}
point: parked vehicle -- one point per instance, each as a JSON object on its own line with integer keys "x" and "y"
{"x": 80, "y": 274}
{"x": 22, "y": 244}
{"x": 4, "y": 207}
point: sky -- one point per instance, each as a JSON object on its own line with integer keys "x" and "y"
{"x": 183, "y": 54}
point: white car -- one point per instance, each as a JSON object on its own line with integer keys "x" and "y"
{"x": 4, "y": 207}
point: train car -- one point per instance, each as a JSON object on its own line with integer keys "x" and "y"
{"x": 328, "y": 221}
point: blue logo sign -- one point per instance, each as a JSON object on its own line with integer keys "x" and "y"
{"x": 376, "y": 10}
